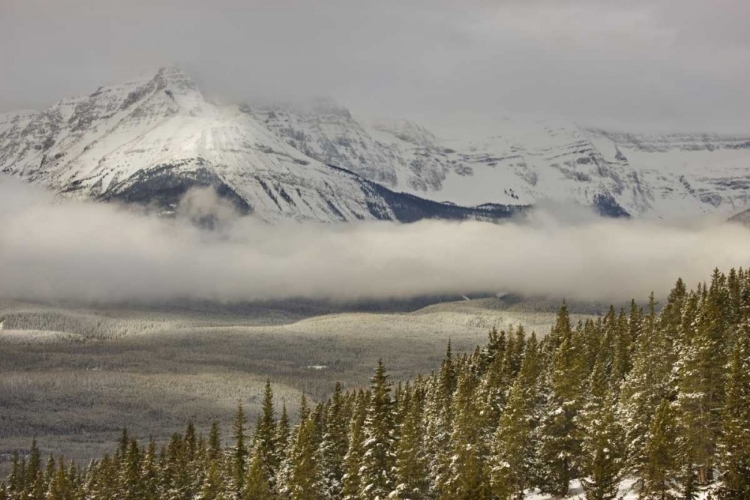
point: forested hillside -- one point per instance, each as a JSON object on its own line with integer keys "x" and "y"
{"x": 661, "y": 397}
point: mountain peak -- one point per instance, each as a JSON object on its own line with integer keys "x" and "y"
{"x": 174, "y": 76}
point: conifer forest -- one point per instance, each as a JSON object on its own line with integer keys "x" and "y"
{"x": 658, "y": 395}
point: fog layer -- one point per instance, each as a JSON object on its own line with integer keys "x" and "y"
{"x": 86, "y": 251}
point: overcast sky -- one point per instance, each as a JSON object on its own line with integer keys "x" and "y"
{"x": 674, "y": 64}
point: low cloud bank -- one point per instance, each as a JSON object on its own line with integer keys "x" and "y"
{"x": 86, "y": 251}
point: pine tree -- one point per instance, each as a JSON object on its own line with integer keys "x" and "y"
{"x": 191, "y": 442}
{"x": 335, "y": 445}
{"x": 439, "y": 409}
{"x": 701, "y": 380}
{"x": 150, "y": 473}
{"x": 466, "y": 479}
{"x": 377, "y": 459}
{"x": 411, "y": 463}
{"x": 131, "y": 487}
{"x": 239, "y": 453}
{"x": 560, "y": 439}
{"x": 283, "y": 432}
{"x": 657, "y": 478}
{"x": 561, "y": 330}
{"x": 305, "y": 480}
{"x": 59, "y": 486}
{"x": 513, "y": 445}
{"x": 256, "y": 485}
{"x": 647, "y": 385}
{"x": 352, "y": 480}
{"x": 212, "y": 486}
{"x": 735, "y": 442}
{"x": 622, "y": 362}
{"x": 264, "y": 439}
{"x": 602, "y": 451}
{"x": 33, "y": 465}
{"x": 214, "y": 442}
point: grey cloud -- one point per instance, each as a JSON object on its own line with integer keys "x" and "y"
{"x": 656, "y": 64}
{"x": 85, "y": 251}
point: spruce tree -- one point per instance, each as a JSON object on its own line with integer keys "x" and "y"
{"x": 467, "y": 475}
{"x": 60, "y": 487}
{"x": 439, "y": 410}
{"x": 305, "y": 480}
{"x": 701, "y": 380}
{"x": 646, "y": 386}
{"x": 411, "y": 464}
{"x": 560, "y": 438}
{"x": 513, "y": 444}
{"x": 214, "y": 442}
{"x": 735, "y": 442}
{"x": 602, "y": 461}
{"x": 239, "y": 453}
{"x": 256, "y": 484}
{"x": 352, "y": 480}
{"x": 334, "y": 445}
{"x": 657, "y": 477}
{"x": 212, "y": 488}
{"x": 377, "y": 459}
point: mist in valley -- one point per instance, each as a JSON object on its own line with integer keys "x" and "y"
{"x": 52, "y": 249}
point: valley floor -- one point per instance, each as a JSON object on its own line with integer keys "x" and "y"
{"x": 73, "y": 377}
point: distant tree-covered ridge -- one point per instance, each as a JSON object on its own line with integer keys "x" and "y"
{"x": 661, "y": 398}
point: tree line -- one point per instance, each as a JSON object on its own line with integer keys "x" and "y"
{"x": 661, "y": 397}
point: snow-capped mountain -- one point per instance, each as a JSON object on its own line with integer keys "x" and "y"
{"x": 149, "y": 140}
{"x": 522, "y": 162}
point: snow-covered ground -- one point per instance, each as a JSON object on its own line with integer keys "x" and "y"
{"x": 576, "y": 492}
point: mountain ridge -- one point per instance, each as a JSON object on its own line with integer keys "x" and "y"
{"x": 150, "y": 139}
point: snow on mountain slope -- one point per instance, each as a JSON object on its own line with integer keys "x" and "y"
{"x": 149, "y": 140}
{"x": 524, "y": 162}
{"x": 396, "y": 154}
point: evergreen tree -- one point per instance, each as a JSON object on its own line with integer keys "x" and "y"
{"x": 701, "y": 381}
{"x": 239, "y": 453}
{"x": 256, "y": 485}
{"x": 657, "y": 478}
{"x": 305, "y": 479}
{"x": 335, "y": 445}
{"x": 214, "y": 442}
{"x": 411, "y": 464}
{"x": 513, "y": 445}
{"x": 264, "y": 439}
{"x": 352, "y": 480}
{"x": 377, "y": 459}
{"x": 60, "y": 487}
{"x": 439, "y": 409}
{"x": 212, "y": 488}
{"x": 150, "y": 473}
{"x": 283, "y": 432}
{"x": 647, "y": 385}
{"x": 735, "y": 442}
{"x": 622, "y": 362}
{"x": 466, "y": 479}
{"x": 560, "y": 438}
{"x": 33, "y": 465}
{"x": 602, "y": 451}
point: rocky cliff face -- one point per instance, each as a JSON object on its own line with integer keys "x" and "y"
{"x": 149, "y": 140}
